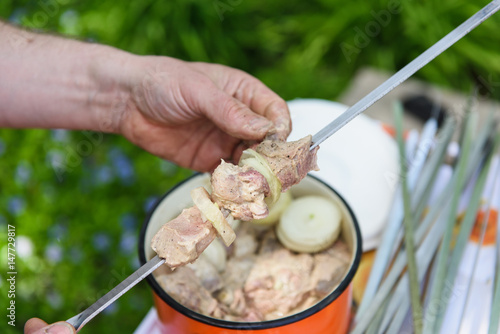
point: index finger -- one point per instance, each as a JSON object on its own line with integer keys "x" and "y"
{"x": 262, "y": 100}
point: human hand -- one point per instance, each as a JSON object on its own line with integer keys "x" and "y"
{"x": 196, "y": 113}
{"x": 190, "y": 113}
{"x": 38, "y": 326}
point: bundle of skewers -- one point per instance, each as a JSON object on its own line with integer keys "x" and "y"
{"x": 437, "y": 269}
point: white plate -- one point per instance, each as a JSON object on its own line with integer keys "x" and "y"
{"x": 359, "y": 161}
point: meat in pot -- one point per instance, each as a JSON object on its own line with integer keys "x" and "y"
{"x": 262, "y": 281}
{"x": 289, "y": 161}
{"x": 241, "y": 190}
{"x": 183, "y": 239}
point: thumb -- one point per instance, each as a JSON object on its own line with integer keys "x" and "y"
{"x": 234, "y": 117}
{"x": 37, "y": 326}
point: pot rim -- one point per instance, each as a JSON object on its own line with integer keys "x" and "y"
{"x": 250, "y": 325}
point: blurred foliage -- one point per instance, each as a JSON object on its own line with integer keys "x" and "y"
{"x": 77, "y": 200}
{"x": 81, "y": 217}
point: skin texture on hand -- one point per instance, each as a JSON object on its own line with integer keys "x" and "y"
{"x": 38, "y": 326}
{"x": 191, "y": 113}
{"x": 197, "y": 113}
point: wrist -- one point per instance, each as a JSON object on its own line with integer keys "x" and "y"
{"x": 113, "y": 73}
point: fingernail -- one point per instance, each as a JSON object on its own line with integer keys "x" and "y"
{"x": 283, "y": 124}
{"x": 261, "y": 125}
{"x": 60, "y": 328}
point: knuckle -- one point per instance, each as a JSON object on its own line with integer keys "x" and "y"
{"x": 233, "y": 111}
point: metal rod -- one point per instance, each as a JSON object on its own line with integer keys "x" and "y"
{"x": 406, "y": 72}
{"x": 79, "y": 320}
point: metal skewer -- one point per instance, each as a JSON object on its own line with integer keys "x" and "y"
{"x": 79, "y": 320}
{"x": 405, "y": 72}
{"x": 84, "y": 317}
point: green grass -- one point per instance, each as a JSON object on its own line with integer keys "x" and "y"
{"x": 83, "y": 227}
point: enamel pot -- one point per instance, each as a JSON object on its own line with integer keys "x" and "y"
{"x": 330, "y": 315}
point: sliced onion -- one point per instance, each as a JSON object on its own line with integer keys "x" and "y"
{"x": 309, "y": 224}
{"x": 276, "y": 210}
{"x": 216, "y": 254}
{"x": 211, "y": 212}
{"x": 253, "y": 159}
{"x": 235, "y": 223}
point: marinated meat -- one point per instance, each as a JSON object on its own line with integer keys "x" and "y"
{"x": 234, "y": 300}
{"x": 207, "y": 273}
{"x": 267, "y": 284}
{"x": 237, "y": 269}
{"x": 289, "y": 161}
{"x": 339, "y": 250}
{"x": 241, "y": 190}
{"x": 269, "y": 243}
{"x": 185, "y": 287}
{"x": 329, "y": 268}
{"x": 183, "y": 239}
{"x": 245, "y": 243}
{"x": 279, "y": 282}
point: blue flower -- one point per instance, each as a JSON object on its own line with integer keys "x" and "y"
{"x": 149, "y": 202}
{"x": 2, "y": 147}
{"x": 134, "y": 263}
{"x": 75, "y": 255}
{"x": 53, "y": 253}
{"x": 57, "y": 231}
{"x": 122, "y": 166}
{"x": 23, "y": 173}
{"x": 128, "y": 222}
{"x": 60, "y": 135}
{"x": 111, "y": 309}
{"x": 16, "y": 205}
{"x": 104, "y": 175}
{"x": 101, "y": 241}
{"x": 55, "y": 159}
{"x": 128, "y": 242}
{"x": 54, "y": 299}
{"x": 17, "y": 15}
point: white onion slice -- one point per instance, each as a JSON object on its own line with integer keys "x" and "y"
{"x": 216, "y": 254}
{"x": 235, "y": 223}
{"x": 253, "y": 159}
{"x": 276, "y": 210}
{"x": 309, "y": 224}
{"x": 211, "y": 212}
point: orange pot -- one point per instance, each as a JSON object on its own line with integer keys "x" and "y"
{"x": 330, "y": 315}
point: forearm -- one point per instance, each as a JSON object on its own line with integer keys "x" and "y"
{"x": 52, "y": 82}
